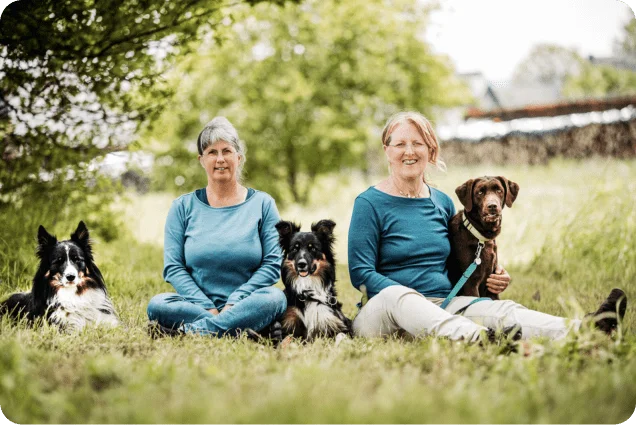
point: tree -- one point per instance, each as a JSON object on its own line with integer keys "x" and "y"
{"x": 625, "y": 44}
{"x": 600, "y": 80}
{"x": 80, "y": 78}
{"x": 548, "y": 64}
{"x": 306, "y": 86}
{"x": 613, "y": 79}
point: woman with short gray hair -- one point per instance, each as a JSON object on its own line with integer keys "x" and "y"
{"x": 221, "y": 250}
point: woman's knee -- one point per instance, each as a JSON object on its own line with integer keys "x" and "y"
{"x": 273, "y": 298}
{"x": 158, "y": 303}
{"x": 503, "y": 311}
{"x": 391, "y": 295}
{"x": 507, "y": 307}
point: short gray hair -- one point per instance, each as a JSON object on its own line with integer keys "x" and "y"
{"x": 221, "y": 129}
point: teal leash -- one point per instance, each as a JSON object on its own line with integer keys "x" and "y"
{"x": 467, "y": 274}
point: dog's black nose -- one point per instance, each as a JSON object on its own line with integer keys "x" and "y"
{"x": 70, "y": 277}
{"x": 302, "y": 264}
{"x": 492, "y": 207}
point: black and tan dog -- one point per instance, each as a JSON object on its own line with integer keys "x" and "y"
{"x": 480, "y": 220}
{"x": 68, "y": 288}
{"x": 309, "y": 275}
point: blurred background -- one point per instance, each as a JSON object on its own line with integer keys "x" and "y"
{"x": 101, "y": 103}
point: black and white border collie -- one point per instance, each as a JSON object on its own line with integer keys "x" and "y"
{"x": 309, "y": 275}
{"x": 68, "y": 288}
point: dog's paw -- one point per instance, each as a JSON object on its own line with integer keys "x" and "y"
{"x": 341, "y": 337}
{"x": 286, "y": 342}
{"x": 276, "y": 333}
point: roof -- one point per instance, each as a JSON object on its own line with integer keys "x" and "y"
{"x": 476, "y": 129}
{"x": 563, "y": 107}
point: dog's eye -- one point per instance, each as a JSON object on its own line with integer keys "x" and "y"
{"x": 480, "y": 193}
{"x": 59, "y": 259}
{"x": 499, "y": 190}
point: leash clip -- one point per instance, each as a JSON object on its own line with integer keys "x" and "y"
{"x": 480, "y": 246}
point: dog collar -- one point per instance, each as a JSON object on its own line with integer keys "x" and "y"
{"x": 472, "y": 230}
{"x": 331, "y": 300}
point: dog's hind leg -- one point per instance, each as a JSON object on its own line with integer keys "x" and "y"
{"x": 348, "y": 324}
{"x": 17, "y": 305}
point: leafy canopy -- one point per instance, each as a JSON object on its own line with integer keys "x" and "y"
{"x": 307, "y": 86}
{"x": 79, "y": 78}
{"x": 579, "y": 77}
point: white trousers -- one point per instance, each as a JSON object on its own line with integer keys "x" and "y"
{"x": 402, "y": 310}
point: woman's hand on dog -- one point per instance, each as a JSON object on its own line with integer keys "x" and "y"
{"x": 498, "y": 281}
{"x": 213, "y": 311}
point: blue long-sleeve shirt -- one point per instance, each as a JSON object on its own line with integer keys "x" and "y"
{"x": 218, "y": 256}
{"x": 400, "y": 241}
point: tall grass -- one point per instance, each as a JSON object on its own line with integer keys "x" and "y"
{"x": 587, "y": 246}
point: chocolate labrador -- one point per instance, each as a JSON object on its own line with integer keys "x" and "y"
{"x": 480, "y": 220}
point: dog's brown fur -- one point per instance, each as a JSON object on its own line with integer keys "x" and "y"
{"x": 483, "y": 200}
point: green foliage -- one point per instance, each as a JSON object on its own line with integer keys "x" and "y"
{"x": 625, "y": 45}
{"x": 306, "y": 86}
{"x": 596, "y": 245}
{"x": 578, "y": 77}
{"x": 548, "y": 64}
{"x": 60, "y": 216}
{"x": 78, "y": 79}
{"x": 603, "y": 80}
{"x": 122, "y": 376}
{"x": 599, "y": 81}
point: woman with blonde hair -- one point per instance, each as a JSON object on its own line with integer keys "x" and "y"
{"x": 399, "y": 246}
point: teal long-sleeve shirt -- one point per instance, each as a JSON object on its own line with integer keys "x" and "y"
{"x": 400, "y": 241}
{"x": 218, "y": 256}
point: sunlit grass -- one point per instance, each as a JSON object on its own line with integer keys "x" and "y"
{"x": 567, "y": 241}
{"x": 550, "y": 197}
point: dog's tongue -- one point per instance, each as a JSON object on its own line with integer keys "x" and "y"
{"x": 303, "y": 274}
{"x": 491, "y": 218}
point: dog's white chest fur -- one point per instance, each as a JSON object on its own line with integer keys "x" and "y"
{"x": 318, "y": 317}
{"x": 301, "y": 284}
{"x": 73, "y": 311}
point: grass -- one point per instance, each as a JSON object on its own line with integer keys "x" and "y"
{"x": 566, "y": 245}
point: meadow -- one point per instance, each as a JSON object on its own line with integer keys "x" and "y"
{"x": 569, "y": 238}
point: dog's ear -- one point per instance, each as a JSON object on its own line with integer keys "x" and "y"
{"x": 324, "y": 231}
{"x": 81, "y": 237}
{"x": 465, "y": 194}
{"x": 511, "y": 190}
{"x": 323, "y": 227}
{"x": 286, "y": 229}
{"x": 46, "y": 241}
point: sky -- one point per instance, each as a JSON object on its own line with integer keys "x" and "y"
{"x": 493, "y": 36}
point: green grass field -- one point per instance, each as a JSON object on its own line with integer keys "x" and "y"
{"x": 569, "y": 238}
